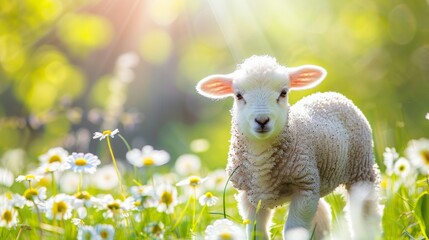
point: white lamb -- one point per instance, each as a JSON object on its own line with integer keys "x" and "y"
{"x": 296, "y": 153}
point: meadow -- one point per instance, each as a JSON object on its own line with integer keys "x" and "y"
{"x": 103, "y": 135}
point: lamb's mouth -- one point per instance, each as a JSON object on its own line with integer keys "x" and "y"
{"x": 262, "y": 131}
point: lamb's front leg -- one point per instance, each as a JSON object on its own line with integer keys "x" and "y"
{"x": 262, "y": 218}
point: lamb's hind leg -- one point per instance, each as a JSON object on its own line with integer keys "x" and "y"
{"x": 262, "y": 218}
{"x": 363, "y": 210}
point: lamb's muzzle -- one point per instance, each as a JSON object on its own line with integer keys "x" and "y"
{"x": 296, "y": 153}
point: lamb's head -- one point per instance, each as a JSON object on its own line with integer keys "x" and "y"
{"x": 260, "y": 88}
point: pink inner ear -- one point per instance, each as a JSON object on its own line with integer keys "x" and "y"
{"x": 218, "y": 87}
{"x": 304, "y": 77}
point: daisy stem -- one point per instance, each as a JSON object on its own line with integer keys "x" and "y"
{"x": 79, "y": 185}
{"x": 194, "y": 206}
{"x": 116, "y": 167}
{"x": 181, "y": 214}
{"x": 125, "y": 142}
{"x": 224, "y": 190}
{"x": 39, "y": 216}
{"x": 54, "y": 188}
{"x": 199, "y": 217}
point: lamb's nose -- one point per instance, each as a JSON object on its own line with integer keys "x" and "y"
{"x": 262, "y": 121}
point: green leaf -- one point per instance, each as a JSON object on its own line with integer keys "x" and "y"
{"x": 422, "y": 213}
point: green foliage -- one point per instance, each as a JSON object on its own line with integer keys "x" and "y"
{"x": 421, "y": 210}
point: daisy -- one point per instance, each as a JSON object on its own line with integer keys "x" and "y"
{"x": 105, "y": 178}
{"x": 29, "y": 177}
{"x": 6, "y": 177}
{"x": 208, "y": 199}
{"x": 402, "y": 167}
{"x": 216, "y": 180}
{"x": 166, "y": 198}
{"x": 389, "y": 156}
{"x": 192, "y": 181}
{"x": 224, "y": 229}
{"x": 199, "y": 145}
{"x": 104, "y": 134}
{"x": 51, "y": 167}
{"x": 86, "y": 232}
{"x": 80, "y": 162}
{"x": 55, "y": 156}
{"x": 144, "y": 196}
{"x": 187, "y": 164}
{"x": 147, "y": 157}
{"x": 155, "y": 230}
{"x": 418, "y": 153}
{"x": 8, "y": 217}
{"x": 105, "y": 231}
{"x": 33, "y": 194}
{"x": 59, "y": 207}
{"x": 114, "y": 207}
{"x": 427, "y": 116}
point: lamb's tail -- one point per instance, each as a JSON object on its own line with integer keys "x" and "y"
{"x": 322, "y": 220}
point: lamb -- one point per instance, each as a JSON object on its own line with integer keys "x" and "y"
{"x": 280, "y": 153}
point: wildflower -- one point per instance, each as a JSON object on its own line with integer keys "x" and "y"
{"x": 199, "y": 145}
{"x": 147, "y": 157}
{"x": 418, "y": 153}
{"x": 208, "y": 199}
{"x": 78, "y": 222}
{"x": 57, "y": 156}
{"x": 402, "y": 167}
{"x": 12, "y": 200}
{"x": 50, "y": 167}
{"x": 216, "y": 180}
{"x": 192, "y": 181}
{"x": 155, "y": 230}
{"x": 224, "y": 229}
{"x": 59, "y": 207}
{"x": 105, "y": 231}
{"x": 167, "y": 198}
{"x": 6, "y": 177}
{"x": 144, "y": 196}
{"x": 86, "y": 232}
{"x": 69, "y": 182}
{"x": 390, "y": 155}
{"x": 114, "y": 207}
{"x": 104, "y": 134}
{"x": 187, "y": 164}
{"x": 105, "y": 178}
{"x": 427, "y": 116}
{"x": 80, "y": 162}
{"x": 29, "y": 178}
{"x": 33, "y": 194}
{"x": 8, "y": 217}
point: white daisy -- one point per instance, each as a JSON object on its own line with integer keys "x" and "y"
{"x": 59, "y": 207}
{"x": 166, "y": 198}
{"x": 87, "y": 232}
{"x": 427, "y": 116}
{"x": 114, "y": 207}
{"x": 199, "y": 145}
{"x": 78, "y": 223}
{"x": 216, "y": 180}
{"x": 147, "y": 157}
{"x": 6, "y": 177}
{"x": 155, "y": 230}
{"x": 104, "y": 134}
{"x": 80, "y": 162}
{"x": 29, "y": 177}
{"x": 389, "y": 156}
{"x": 192, "y": 181}
{"x": 418, "y": 153}
{"x": 33, "y": 194}
{"x": 13, "y": 200}
{"x": 8, "y": 217}
{"x": 55, "y": 156}
{"x": 224, "y": 229}
{"x": 402, "y": 167}
{"x": 105, "y": 231}
{"x": 208, "y": 199}
{"x": 50, "y": 168}
{"x": 187, "y": 164}
{"x": 105, "y": 178}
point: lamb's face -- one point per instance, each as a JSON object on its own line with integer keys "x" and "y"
{"x": 260, "y": 105}
{"x": 260, "y": 87}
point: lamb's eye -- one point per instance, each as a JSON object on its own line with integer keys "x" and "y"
{"x": 283, "y": 93}
{"x": 239, "y": 96}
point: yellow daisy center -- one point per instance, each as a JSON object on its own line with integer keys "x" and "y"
{"x": 156, "y": 229}
{"x": 225, "y": 236}
{"x": 80, "y": 162}
{"x": 148, "y": 161}
{"x": 54, "y": 158}
{"x": 59, "y": 207}
{"x": 30, "y": 193}
{"x": 7, "y": 216}
{"x": 107, "y": 132}
{"x": 29, "y": 177}
{"x": 193, "y": 181}
{"x": 83, "y": 195}
{"x": 167, "y": 198}
{"x": 113, "y": 206}
{"x": 9, "y": 195}
{"x": 104, "y": 234}
{"x": 137, "y": 203}
{"x": 425, "y": 156}
{"x": 209, "y": 195}
{"x": 401, "y": 168}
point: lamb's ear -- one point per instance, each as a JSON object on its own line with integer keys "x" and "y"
{"x": 216, "y": 86}
{"x": 306, "y": 76}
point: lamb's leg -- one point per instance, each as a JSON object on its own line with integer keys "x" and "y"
{"x": 322, "y": 219}
{"x": 262, "y": 218}
{"x": 363, "y": 210}
{"x": 302, "y": 210}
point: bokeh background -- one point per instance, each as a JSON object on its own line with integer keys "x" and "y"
{"x": 70, "y": 68}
